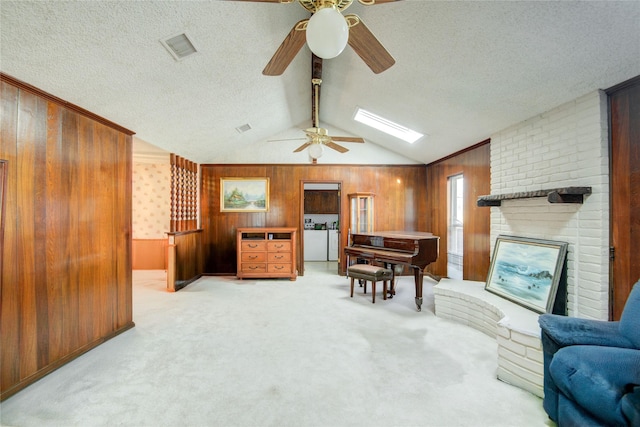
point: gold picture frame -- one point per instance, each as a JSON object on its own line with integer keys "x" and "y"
{"x": 244, "y": 194}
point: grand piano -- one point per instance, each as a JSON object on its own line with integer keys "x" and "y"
{"x": 411, "y": 248}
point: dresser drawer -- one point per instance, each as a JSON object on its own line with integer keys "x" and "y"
{"x": 249, "y": 267}
{"x": 276, "y": 246}
{"x": 279, "y": 268}
{"x": 254, "y": 246}
{"x": 279, "y": 257}
{"x": 250, "y": 256}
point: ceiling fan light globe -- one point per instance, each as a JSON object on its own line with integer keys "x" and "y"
{"x": 327, "y": 33}
{"x": 315, "y": 151}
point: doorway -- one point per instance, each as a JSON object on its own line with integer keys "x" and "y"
{"x": 320, "y": 222}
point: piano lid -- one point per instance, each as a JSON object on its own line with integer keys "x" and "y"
{"x": 398, "y": 234}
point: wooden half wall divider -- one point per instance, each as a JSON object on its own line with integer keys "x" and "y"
{"x": 184, "y": 258}
{"x": 184, "y": 194}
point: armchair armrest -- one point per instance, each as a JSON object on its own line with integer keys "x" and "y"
{"x": 564, "y": 331}
{"x": 631, "y": 406}
{"x": 597, "y": 379}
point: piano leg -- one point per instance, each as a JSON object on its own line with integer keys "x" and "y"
{"x": 418, "y": 276}
{"x": 392, "y": 287}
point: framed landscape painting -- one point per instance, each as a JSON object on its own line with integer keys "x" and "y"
{"x": 244, "y": 194}
{"x": 527, "y": 271}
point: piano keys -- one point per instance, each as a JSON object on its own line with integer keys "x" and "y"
{"x": 413, "y": 249}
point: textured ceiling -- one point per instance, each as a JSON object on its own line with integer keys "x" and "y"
{"x": 464, "y": 70}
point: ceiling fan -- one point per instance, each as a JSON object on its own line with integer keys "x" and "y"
{"x": 327, "y": 32}
{"x": 318, "y": 137}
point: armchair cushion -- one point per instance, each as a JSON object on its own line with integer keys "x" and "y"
{"x": 596, "y": 378}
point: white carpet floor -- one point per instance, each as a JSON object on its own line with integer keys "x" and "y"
{"x": 225, "y": 352}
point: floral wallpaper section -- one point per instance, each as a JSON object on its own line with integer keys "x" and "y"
{"x": 151, "y": 200}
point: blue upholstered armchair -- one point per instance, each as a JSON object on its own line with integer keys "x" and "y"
{"x": 592, "y": 368}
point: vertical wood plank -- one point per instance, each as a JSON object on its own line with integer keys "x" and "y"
{"x": 39, "y": 244}
{"x": 625, "y": 193}
{"x": 26, "y": 233}
{"x": 477, "y": 220}
{"x": 106, "y": 230}
{"x": 124, "y": 278}
{"x": 69, "y": 235}
{"x": 55, "y": 223}
{"x": 87, "y": 210}
{"x": 10, "y": 304}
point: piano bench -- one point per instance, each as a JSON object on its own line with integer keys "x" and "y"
{"x": 371, "y": 273}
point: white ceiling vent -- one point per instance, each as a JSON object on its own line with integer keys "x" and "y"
{"x": 245, "y": 127}
{"x": 179, "y": 46}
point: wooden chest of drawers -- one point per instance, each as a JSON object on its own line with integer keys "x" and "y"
{"x": 267, "y": 252}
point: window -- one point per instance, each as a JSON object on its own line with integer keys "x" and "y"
{"x": 455, "y": 208}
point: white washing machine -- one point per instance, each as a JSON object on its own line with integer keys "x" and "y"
{"x": 315, "y": 245}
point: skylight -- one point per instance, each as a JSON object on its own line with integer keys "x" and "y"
{"x": 387, "y": 126}
{"x": 179, "y": 46}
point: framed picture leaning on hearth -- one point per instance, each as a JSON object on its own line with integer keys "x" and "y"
{"x": 527, "y": 271}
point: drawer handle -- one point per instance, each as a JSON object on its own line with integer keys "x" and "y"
{"x": 253, "y": 257}
{"x": 277, "y": 267}
{"x": 253, "y": 267}
{"x": 279, "y": 246}
{"x": 278, "y": 257}
{"x": 252, "y": 245}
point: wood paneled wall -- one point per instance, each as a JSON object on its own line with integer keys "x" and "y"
{"x": 66, "y": 271}
{"x": 474, "y": 164}
{"x": 149, "y": 254}
{"x": 624, "y": 107}
{"x": 401, "y": 203}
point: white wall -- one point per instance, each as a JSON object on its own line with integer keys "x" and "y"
{"x": 567, "y": 146}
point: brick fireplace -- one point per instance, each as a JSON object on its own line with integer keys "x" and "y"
{"x": 564, "y": 147}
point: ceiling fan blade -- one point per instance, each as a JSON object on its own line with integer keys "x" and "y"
{"x": 367, "y": 2}
{"x": 347, "y": 139}
{"x": 336, "y": 147}
{"x": 367, "y": 46}
{"x": 278, "y": 1}
{"x": 285, "y": 139}
{"x": 302, "y": 147}
{"x": 289, "y": 48}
